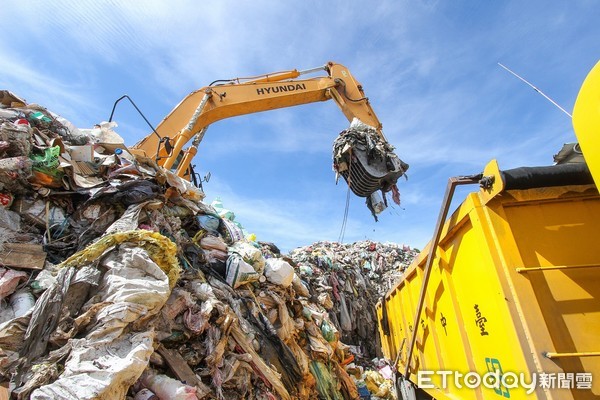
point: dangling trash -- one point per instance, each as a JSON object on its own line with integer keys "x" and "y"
{"x": 377, "y": 202}
{"x": 365, "y": 160}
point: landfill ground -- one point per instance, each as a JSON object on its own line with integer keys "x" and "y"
{"x": 118, "y": 281}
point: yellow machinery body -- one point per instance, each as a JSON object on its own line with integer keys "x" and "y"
{"x": 513, "y": 281}
{"x": 586, "y": 121}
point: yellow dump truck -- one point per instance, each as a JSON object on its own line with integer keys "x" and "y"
{"x": 504, "y": 303}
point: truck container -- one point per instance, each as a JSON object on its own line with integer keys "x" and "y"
{"x": 513, "y": 288}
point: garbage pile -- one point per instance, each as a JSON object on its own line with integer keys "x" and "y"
{"x": 117, "y": 281}
{"x": 347, "y": 280}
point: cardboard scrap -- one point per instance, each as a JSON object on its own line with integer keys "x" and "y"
{"x": 179, "y": 366}
{"x": 22, "y": 255}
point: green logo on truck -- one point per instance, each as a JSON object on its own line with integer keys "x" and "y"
{"x": 493, "y": 365}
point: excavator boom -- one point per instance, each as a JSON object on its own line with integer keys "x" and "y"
{"x": 189, "y": 120}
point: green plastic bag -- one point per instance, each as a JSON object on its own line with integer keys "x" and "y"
{"x": 45, "y": 167}
{"x": 327, "y": 331}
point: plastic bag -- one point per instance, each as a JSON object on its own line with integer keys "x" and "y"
{"x": 21, "y": 302}
{"x": 217, "y": 204}
{"x": 145, "y": 394}
{"x": 10, "y": 220}
{"x": 377, "y": 385}
{"x": 345, "y": 320}
{"x": 104, "y": 135}
{"x": 167, "y": 388}
{"x": 279, "y": 272}
{"x": 209, "y": 223}
{"x": 70, "y": 131}
{"x": 325, "y": 300}
{"x": 9, "y": 280}
{"x": 239, "y": 271}
{"x": 306, "y": 270}
{"x": 230, "y": 231}
{"x": 328, "y": 331}
{"x": 38, "y": 118}
{"x": 45, "y": 168}
{"x": 213, "y": 243}
{"x": 250, "y": 254}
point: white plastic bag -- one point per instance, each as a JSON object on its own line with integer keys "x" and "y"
{"x": 239, "y": 271}
{"x": 167, "y": 388}
{"x": 250, "y": 254}
{"x": 279, "y": 272}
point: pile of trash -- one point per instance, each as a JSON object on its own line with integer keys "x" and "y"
{"x": 347, "y": 279}
{"x": 117, "y": 281}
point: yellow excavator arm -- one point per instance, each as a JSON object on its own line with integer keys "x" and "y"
{"x": 224, "y": 99}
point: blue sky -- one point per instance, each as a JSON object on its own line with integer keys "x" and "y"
{"x": 428, "y": 67}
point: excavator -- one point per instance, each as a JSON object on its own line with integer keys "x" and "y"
{"x": 364, "y": 158}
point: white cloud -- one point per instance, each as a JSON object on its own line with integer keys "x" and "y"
{"x": 26, "y": 80}
{"x": 286, "y": 221}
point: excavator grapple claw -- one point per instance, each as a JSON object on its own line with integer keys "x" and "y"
{"x": 365, "y": 160}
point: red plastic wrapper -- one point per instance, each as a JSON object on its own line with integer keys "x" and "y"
{"x": 6, "y": 199}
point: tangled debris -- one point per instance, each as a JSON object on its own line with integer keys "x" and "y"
{"x": 368, "y": 164}
{"x": 118, "y": 281}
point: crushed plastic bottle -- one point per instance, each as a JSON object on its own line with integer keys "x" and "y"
{"x": 124, "y": 157}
